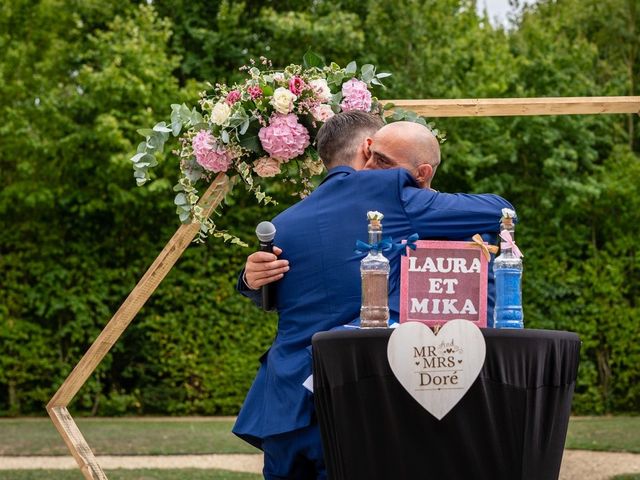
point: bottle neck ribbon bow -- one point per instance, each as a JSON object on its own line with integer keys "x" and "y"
{"x": 387, "y": 245}
{"x": 510, "y": 243}
{"x": 381, "y": 246}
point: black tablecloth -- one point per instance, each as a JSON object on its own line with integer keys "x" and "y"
{"x": 511, "y": 424}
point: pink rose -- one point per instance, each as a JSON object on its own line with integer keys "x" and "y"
{"x": 209, "y": 154}
{"x": 322, "y": 112}
{"x": 297, "y": 85}
{"x": 254, "y": 92}
{"x": 355, "y": 96}
{"x": 266, "y": 167}
{"x": 284, "y": 138}
{"x": 233, "y": 97}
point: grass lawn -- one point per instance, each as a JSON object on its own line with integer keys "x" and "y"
{"x": 631, "y": 476}
{"x": 143, "y": 474}
{"x": 186, "y": 435}
{"x": 125, "y": 436}
{"x": 610, "y": 434}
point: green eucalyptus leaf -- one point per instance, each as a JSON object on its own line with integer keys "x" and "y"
{"x": 195, "y": 118}
{"x": 145, "y": 132}
{"x": 184, "y": 216}
{"x": 161, "y": 127}
{"x": 368, "y": 69}
{"x": 180, "y": 199}
{"x": 244, "y": 127}
{"x": 138, "y": 157}
{"x": 351, "y": 69}
{"x": 184, "y": 111}
{"x": 176, "y": 127}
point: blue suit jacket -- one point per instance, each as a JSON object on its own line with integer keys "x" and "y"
{"x": 322, "y": 289}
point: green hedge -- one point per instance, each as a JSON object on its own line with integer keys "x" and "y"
{"x": 78, "y": 78}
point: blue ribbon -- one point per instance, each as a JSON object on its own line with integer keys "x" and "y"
{"x": 388, "y": 245}
{"x": 382, "y": 246}
{"x": 410, "y": 242}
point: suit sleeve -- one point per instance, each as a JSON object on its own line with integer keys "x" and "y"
{"x": 254, "y": 295}
{"x": 452, "y": 216}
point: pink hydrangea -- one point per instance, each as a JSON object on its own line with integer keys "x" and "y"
{"x": 255, "y": 92}
{"x": 209, "y": 154}
{"x": 266, "y": 167}
{"x": 296, "y": 85}
{"x": 321, "y": 112}
{"x": 355, "y": 96}
{"x": 233, "y": 96}
{"x": 284, "y": 138}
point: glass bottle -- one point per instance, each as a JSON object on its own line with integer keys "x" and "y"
{"x": 507, "y": 269}
{"x": 374, "y": 271}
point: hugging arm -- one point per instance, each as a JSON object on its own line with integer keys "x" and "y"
{"x": 453, "y": 216}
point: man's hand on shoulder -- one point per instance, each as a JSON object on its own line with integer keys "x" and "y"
{"x": 263, "y": 268}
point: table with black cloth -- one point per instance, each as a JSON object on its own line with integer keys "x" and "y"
{"x": 511, "y": 424}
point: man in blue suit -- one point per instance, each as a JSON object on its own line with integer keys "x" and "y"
{"x": 322, "y": 289}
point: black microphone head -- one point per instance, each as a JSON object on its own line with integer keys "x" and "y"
{"x": 265, "y": 231}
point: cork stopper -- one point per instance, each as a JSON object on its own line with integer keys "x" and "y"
{"x": 375, "y": 218}
{"x": 507, "y": 222}
{"x": 508, "y": 217}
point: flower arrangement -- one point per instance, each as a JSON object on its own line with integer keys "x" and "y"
{"x": 261, "y": 128}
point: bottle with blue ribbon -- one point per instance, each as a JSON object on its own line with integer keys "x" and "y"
{"x": 374, "y": 271}
{"x": 507, "y": 269}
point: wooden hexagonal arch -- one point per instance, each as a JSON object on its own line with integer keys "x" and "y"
{"x": 57, "y": 406}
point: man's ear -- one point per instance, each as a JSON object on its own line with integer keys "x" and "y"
{"x": 424, "y": 174}
{"x": 366, "y": 148}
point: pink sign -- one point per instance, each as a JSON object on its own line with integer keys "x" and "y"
{"x": 442, "y": 281}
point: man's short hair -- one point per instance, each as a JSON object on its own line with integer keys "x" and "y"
{"x": 338, "y": 139}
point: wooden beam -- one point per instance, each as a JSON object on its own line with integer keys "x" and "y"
{"x": 508, "y": 107}
{"x": 76, "y": 443}
{"x": 117, "y": 325}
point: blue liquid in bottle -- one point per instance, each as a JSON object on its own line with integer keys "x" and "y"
{"x": 508, "y": 310}
{"x": 507, "y": 269}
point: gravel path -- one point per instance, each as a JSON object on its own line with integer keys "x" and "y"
{"x": 237, "y": 463}
{"x": 576, "y": 464}
{"x": 586, "y": 465}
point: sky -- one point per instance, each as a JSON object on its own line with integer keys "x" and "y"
{"x": 498, "y": 8}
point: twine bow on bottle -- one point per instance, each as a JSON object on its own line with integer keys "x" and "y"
{"x": 506, "y": 236}
{"x": 487, "y": 250}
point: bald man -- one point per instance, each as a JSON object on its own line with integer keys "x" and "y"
{"x": 321, "y": 290}
{"x": 405, "y": 145}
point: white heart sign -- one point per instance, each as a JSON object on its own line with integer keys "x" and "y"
{"x": 437, "y": 371}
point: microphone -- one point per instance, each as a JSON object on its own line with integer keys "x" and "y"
{"x": 266, "y": 231}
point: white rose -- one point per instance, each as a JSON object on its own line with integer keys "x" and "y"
{"x": 322, "y": 112}
{"x": 220, "y": 113}
{"x": 282, "y": 100}
{"x": 321, "y": 89}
